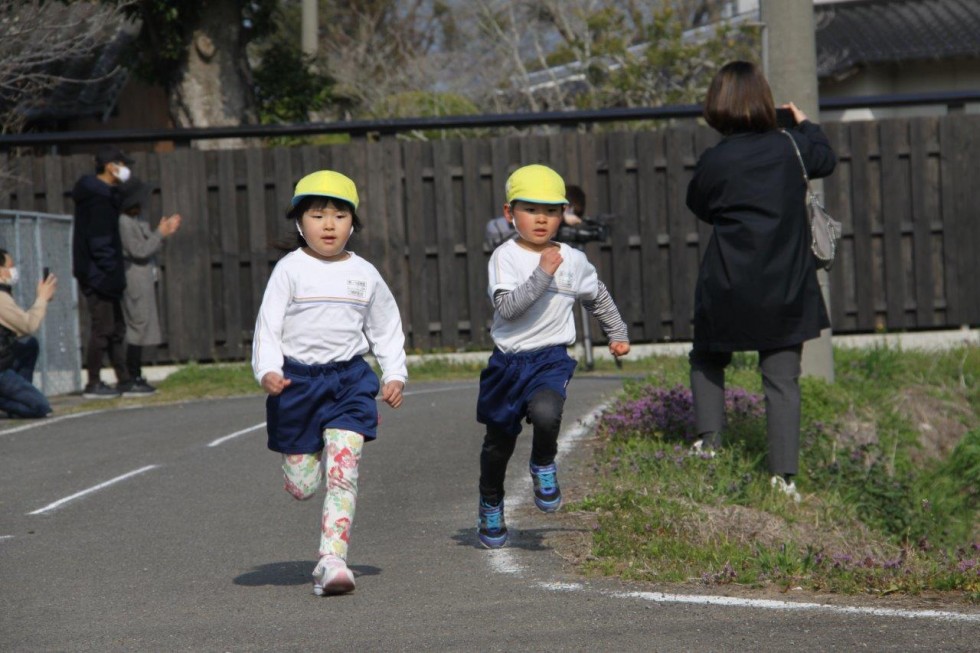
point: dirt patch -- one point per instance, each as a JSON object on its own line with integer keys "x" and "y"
{"x": 940, "y": 422}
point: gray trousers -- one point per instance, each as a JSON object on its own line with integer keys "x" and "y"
{"x": 781, "y": 385}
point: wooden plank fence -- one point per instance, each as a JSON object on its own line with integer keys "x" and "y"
{"x": 904, "y": 190}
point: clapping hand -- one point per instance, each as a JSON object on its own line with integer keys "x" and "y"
{"x": 169, "y": 224}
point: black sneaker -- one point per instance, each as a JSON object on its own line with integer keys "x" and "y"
{"x": 137, "y": 387}
{"x": 100, "y": 390}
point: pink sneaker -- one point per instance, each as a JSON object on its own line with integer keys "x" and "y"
{"x": 331, "y": 576}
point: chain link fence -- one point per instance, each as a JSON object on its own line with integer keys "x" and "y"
{"x": 38, "y": 241}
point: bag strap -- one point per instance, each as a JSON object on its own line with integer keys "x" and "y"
{"x": 799, "y": 157}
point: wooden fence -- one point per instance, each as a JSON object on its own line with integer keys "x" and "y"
{"x": 905, "y": 190}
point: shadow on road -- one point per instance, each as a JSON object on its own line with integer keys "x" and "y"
{"x": 526, "y": 539}
{"x": 293, "y": 572}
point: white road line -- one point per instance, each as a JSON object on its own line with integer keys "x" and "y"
{"x": 767, "y": 604}
{"x": 46, "y": 422}
{"x": 96, "y": 488}
{"x": 231, "y": 436}
{"x": 6, "y": 537}
{"x": 505, "y": 562}
{"x": 467, "y": 386}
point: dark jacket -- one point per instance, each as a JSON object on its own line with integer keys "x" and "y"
{"x": 97, "y": 260}
{"x": 757, "y": 285}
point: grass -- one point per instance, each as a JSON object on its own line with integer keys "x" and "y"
{"x": 890, "y": 473}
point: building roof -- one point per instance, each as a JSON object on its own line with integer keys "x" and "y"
{"x": 855, "y": 32}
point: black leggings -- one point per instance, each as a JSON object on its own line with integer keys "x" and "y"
{"x": 134, "y": 360}
{"x": 544, "y": 411}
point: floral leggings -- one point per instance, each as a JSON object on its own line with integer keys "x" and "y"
{"x": 303, "y": 473}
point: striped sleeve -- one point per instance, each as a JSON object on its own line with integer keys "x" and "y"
{"x": 604, "y": 309}
{"x": 515, "y": 303}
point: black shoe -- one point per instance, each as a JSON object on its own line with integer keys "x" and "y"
{"x": 137, "y": 387}
{"x": 100, "y": 390}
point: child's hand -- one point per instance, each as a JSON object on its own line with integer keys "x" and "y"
{"x": 274, "y": 384}
{"x": 550, "y": 260}
{"x": 619, "y": 348}
{"x": 392, "y": 393}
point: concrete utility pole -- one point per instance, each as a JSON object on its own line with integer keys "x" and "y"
{"x": 310, "y": 25}
{"x": 790, "y": 61}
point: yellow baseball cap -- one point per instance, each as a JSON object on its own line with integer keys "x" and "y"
{"x": 536, "y": 183}
{"x": 326, "y": 183}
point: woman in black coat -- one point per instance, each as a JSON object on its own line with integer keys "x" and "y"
{"x": 757, "y": 286}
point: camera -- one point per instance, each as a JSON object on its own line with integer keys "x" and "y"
{"x": 590, "y": 230}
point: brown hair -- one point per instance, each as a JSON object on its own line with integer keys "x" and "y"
{"x": 739, "y": 100}
{"x": 576, "y": 197}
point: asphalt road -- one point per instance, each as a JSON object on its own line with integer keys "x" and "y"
{"x": 126, "y": 531}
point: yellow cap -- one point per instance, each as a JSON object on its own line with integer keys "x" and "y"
{"x": 536, "y": 183}
{"x": 326, "y": 183}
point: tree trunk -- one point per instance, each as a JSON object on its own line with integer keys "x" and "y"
{"x": 213, "y": 88}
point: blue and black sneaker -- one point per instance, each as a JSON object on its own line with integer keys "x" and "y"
{"x": 547, "y": 494}
{"x": 491, "y": 528}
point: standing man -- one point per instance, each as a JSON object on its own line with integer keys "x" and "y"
{"x": 98, "y": 267}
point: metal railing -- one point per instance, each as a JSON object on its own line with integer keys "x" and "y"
{"x": 386, "y": 127}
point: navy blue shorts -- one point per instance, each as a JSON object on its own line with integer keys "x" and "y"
{"x": 335, "y": 396}
{"x": 509, "y": 381}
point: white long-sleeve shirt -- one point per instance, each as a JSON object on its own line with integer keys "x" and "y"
{"x": 549, "y": 319}
{"x": 318, "y": 312}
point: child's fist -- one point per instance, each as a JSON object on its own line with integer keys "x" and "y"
{"x": 274, "y": 384}
{"x": 391, "y": 393}
{"x": 619, "y": 348}
{"x": 550, "y": 260}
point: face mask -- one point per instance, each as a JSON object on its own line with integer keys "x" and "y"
{"x": 122, "y": 174}
{"x": 14, "y": 276}
{"x": 300, "y": 231}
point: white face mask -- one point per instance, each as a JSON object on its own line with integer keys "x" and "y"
{"x": 122, "y": 174}
{"x": 14, "y": 276}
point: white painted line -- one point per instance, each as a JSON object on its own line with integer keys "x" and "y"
{"x": 432, "y": 390}
{"x": 767, "y": 604}
{"x": 46, "y": 422}
{"x": 6, "y": 537}
{"x": 231, "y": 436}
{"x": 96, "y": 488}
{"x": 502, "y": 560}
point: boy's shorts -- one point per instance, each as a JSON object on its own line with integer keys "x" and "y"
{"x": 335, "y": 395}
{"x": 509, "y": 381}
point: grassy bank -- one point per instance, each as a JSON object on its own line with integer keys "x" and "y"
{"x": 890, "y": 477}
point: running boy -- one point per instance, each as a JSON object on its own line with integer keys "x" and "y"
{"x": 534, "y": 283}
{"x": 324, "y": 308}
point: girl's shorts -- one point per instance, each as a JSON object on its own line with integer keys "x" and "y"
{"x": 336, "y": 395}
{"x": 510, "y": 380}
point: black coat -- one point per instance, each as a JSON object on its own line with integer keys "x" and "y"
{"x": 97, "y": 256}
{"x": 757, "y": 285}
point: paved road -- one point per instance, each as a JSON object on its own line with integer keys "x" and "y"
{"x": 197, "y": 548}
